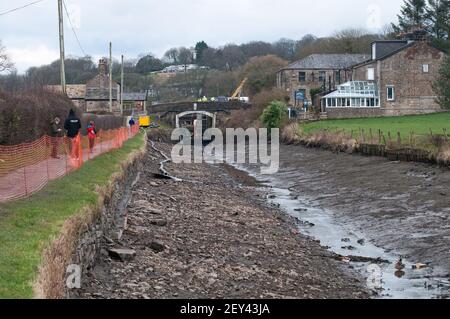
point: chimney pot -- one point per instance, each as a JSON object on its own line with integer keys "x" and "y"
{"x": 102, "y": 66}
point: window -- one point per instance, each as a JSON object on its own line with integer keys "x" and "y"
{"x": 322, "y": 76}
{"x": 390, "y": 93}
{"x": 370, "y": 74}
{"x": 426, "y": 68}
{"x": 338, "y": 77}
{"x": 302, "y": 76}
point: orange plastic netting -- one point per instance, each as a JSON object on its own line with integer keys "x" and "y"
{"x": 27, "y": 168}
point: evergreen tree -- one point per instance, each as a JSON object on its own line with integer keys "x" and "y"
{"x": 442, "y": 84}
{"x": 438, "y": 18}
{"x": 199, "y": 49}
{"x": 413, "y": 14}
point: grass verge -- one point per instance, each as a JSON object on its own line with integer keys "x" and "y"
{"x": 28, "y": 226}
{"x": 418, "y": 124}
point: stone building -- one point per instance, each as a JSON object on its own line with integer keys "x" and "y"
{"x": 93, "y": 97}
{"x": 75, "y": 92}
{"x": 97, "y": 92}
{"x": 135, "y": 103}
{"x": 397, "y": 80}
{"x": 316, "y": 71}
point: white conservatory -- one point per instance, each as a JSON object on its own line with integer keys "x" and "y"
{"x": 353, "y": 94}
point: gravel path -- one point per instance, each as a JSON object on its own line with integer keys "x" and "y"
{"x": 214, "y": 237}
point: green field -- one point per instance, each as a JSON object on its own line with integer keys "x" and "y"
{"x": 418, "y": 124}
{"x": 27, "y": 226}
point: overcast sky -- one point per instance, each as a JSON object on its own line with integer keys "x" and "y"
{"x": 143, "y": 26}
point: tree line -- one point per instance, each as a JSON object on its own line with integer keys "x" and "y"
{"x": 228, "y": 58}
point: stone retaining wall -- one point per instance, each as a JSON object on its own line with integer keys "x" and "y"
{"x": 342, "y": 113}
{"x": 83, "y": 235}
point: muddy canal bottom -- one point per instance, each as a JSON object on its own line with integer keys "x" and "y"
{"x": 371, "y": 208}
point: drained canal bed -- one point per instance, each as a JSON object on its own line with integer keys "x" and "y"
{"x": 211, "y": 235}
{"x": 371, "y": 208}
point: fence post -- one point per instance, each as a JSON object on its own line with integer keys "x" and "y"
{"x": 379, "y": 137}
{"x": 399, "y": 138}
{"x": 25, "y": 180}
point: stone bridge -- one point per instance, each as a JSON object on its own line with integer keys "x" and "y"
{"x": 184, "y": 113}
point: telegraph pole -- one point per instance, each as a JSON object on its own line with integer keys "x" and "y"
{"x": 121, "y": 86}
{"x": 110, "y": 78}
{"x": 61, "y": 46}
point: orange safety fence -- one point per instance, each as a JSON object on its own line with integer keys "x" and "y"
{"x": 27, "y": 168}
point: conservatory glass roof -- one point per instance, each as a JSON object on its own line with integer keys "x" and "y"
{"x": 355, "y": 89}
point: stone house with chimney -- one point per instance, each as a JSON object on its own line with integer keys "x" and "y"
{"x": 93, "y": 97}
{"x": 397, "y": 80}
{"x": 316, "y": 71}
{"x": 97, "y": 92}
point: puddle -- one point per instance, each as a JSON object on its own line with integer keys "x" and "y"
{"x": 321, "y": 224}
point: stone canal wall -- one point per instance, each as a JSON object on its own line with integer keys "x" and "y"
{"x": 83, "y": 235}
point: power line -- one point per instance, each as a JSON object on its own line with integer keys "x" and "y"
{"x": 73, "y": 29}
{"x": 19, "y": 8}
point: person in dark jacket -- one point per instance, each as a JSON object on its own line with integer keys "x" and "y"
{"x": 72, "y": 126}
{"x": 55, "y": 135}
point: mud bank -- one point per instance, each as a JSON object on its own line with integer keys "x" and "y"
{"x": 212, "y": 236}
{"x": 83, "y": 235}
{"x": 372, "y": 207}
{"x": 340, "y": 144}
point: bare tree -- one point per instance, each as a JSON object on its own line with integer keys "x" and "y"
{"x": 185, "y": 56}
{"x": 233, "y": 57}
{"x": 5, "y": 61}
{"x": 172, "y": 56}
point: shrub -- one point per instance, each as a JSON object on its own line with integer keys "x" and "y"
{"x": 250, "y": 117}
{"x": 442, "y": 85}
{"x": 274, "y": 114}
{"x": 26, "y": 116}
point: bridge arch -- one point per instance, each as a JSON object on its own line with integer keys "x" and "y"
{"x": 205, "y": 113}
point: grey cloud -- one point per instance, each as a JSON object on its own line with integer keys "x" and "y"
{"x": 138, "y": 26}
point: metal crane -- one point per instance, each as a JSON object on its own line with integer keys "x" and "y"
{"x": 238, "y": 93}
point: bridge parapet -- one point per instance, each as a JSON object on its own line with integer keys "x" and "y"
{"x": 200, "y": 106}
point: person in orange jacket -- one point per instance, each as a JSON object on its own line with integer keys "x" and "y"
{"x": 92, "y": 135}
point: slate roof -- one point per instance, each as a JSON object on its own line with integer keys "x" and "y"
{"x": 385, "y": 48}
{"x": 135, "y": 96}
{"x": 328, "y": 61}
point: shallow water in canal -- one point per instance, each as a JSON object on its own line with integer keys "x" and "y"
{"x": 370, "y": 207}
